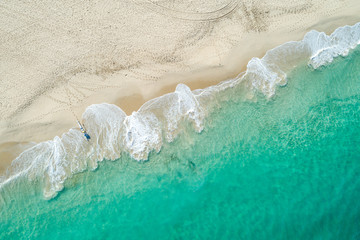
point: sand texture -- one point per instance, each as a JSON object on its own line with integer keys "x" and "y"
{"x": 58, "y": 57}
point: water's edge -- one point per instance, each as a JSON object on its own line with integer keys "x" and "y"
{"x": 159, "y": 120}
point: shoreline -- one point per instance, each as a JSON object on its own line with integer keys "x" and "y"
{"x": 133, "y": 92}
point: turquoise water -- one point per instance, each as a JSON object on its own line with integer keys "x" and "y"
{"x": 284, "y": 168}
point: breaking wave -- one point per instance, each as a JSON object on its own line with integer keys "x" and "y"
{"x": 113, "y": 132}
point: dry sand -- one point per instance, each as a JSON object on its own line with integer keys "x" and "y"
{"x": 58, "y": 57}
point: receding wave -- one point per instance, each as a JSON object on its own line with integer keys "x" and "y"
{"x": 158, "y": 120}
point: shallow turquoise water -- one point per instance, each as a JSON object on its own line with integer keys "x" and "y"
{"x": 284, "y": 168}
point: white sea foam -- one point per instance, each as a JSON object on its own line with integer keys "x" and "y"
{"x": 113, "y": 132}
{"x": 318, "y": 48}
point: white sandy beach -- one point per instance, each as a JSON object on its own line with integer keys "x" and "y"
{"x": 57, "y": 58}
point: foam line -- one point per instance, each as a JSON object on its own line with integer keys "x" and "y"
{"x": 113, "y": 132}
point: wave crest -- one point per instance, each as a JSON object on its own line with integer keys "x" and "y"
{"x": 113, "y": 132}
{"x": 317, "y": 48}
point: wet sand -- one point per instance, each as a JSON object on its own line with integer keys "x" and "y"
{"x": 58, "y": 58}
